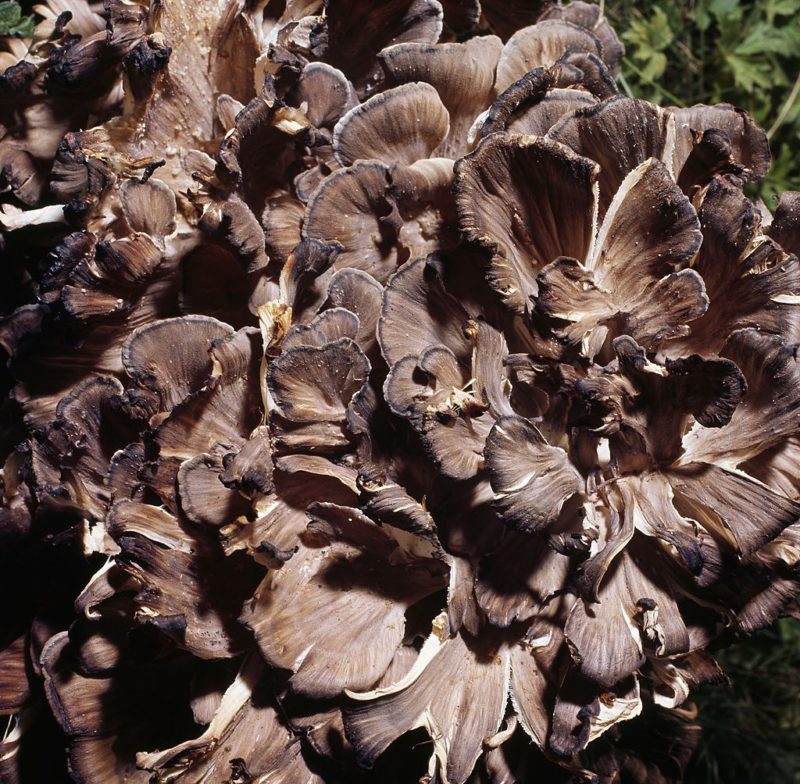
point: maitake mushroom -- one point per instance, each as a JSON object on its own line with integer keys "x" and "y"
{"x": 389, "y": 397}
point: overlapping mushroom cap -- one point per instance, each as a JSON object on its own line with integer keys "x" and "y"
{"x": 382, "y": 375}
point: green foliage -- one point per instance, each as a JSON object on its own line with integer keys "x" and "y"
{"x": 751, "y": 728}
{"x": 648, "y": 38}
{"x": 12, "y": 22}
{"x": 745, "y": 52}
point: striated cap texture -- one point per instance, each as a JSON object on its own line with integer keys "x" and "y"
{"x": 388, "y": 397}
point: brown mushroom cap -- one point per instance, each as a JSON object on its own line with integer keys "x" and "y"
{"x": 541, "y": 45}
{"x": 357, "y": 32}
{"x": 496, "y": 210}
{"x": 636, "y": 129}
{"x": 479, "y": 679}
{"x": 313, "y": 384}
{"x": 768, "y": 411}
{"x": 518, "y": 583}
{"x": 106, "y": 721}
{"x": 749, "y": 142}
{"x": 532, "y": 109}
{"x": 408, "y": 324}
{"x": 353, "y": 324}
{"x": 326, "y": 327}
{"x": 203, "y": 496}
{"x": 225, "y": 404}
{"x": 531, "y": 488}
{"x": 359, "y": 293}
{"x": 627, "y": 595}
{"x": 636, "y": 270}
{"x": 171, "y": 357}
{"x": 14, "y": 686}
{"x": 507, "y": 16}
{"x": 785, "y": 228}
{"x": 462, "y": 73}
{"x": 750, "y": 281}
{"x": 196, "y": 615}
{"x": 245, "y": 736}
{"x": 149, "y": 207}
{"x": 401, "y": 125}
{"x": 591, "y": 17}
{"x": 339, "y": 556}
{"x": 351, "y": 208}
{"x": 326, "y": 92}
{"x": 69, "y": 459}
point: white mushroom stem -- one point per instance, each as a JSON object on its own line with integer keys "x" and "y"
{"x": 274, "y": 320}
{"x": 11, "y": 221}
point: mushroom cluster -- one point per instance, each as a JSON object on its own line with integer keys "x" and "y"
{"x": 389, "y": 398}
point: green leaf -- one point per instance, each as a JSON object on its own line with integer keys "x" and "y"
{"x": 25, "y": 28}
{"x": 12, "y": 22}
{"x": 782, "y": 7}
{"x": 656, "y": 66}
{"x": 725, "y": 9}
{"x": 648, "y": 39}
{"x": 702, "y": 16}
{"x": 749, "y": 73}
{"x": 761, "y": 39}
{"x": 9, "y": 13}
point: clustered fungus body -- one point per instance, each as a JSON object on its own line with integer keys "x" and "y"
{"x": 389, "y": 398}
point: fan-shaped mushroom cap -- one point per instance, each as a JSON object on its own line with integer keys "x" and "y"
{"x": 749, "y": 280}
{"x": 104, "y": 719}
{"x": 529, "y": 107}
{"x": 350, "y": 207}
{"x": 479, "y": 676}
{"x": 749, "y": 143}
{"x": 591, "y": 17}
{"x": 636, "y": 129}
{"x": 630, "y": 595}
{"x": 359, "y": 293}
{"x": 383, "y": 216}
{"x": 541, "y": 45}
{"x": 355, "y": 33}
{"x": 462, "y": 73}
{"x": 529, "y": 491}
{"x": 171, "y": 357}
{"x": 401, "y": 125}
{"x": 326, "y": 93}
{"x": 769, "y": 411}
{"x": 512, "y": 215}
{"x": 149, "y": 207}
{"x": 316, "y": 383}
{"x": 342, "y": 554}
{"x": 507, "y": 16}
{"x": 193, "y": 612}
{"x": 203, "y": 496}
{"x": 785, "y": 227}
{"x": 410, "y": 321}
{"x": 630, "y": 272}
{"x": 69, "y": 459}
{"x": 517, "y": 583}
